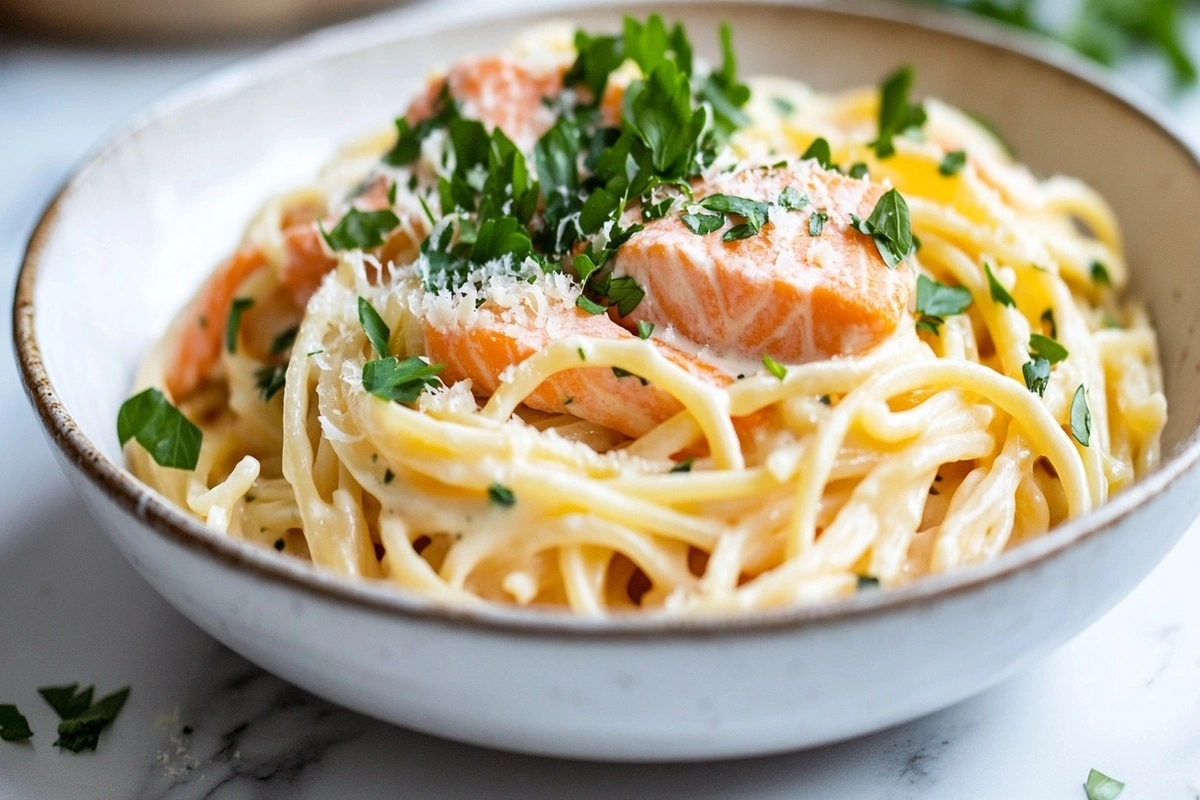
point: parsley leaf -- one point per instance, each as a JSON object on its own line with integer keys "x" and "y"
{"x": 644, "y": 329}
{"x": 1047, "y": 348}
{"x": 589, "y": 305}
{"x": 82, "y": 731}
{"x": 996, "y": 288}
{"x": 1101, "y": 787}
{"x": 170, "y": 438}
{"x": 684, "y": 466}
{"x": 284, "y": 340}
{"x": 816, "y": 223}
{"x": 234, "y": 321}
{"x": 624, "y": 293}
{"x": 1081, "y": 417}
{"x": 67, "y": 701}
{"x": 896, "y": 114}
{"x": 858, "y": 170}
{"x": 867, "y": 582}
{"x": 1037, "y": 375}
{"x": 723, "y": 90}
{"x": 13, "y": 725}
{"x": 702, "y": 224}
{"x": 501, "y": 495}
{"x": 1048, "y": 321}
{"x": 270, "y": 380}
{"x": 785, "y": 106}
{"x": 889, "y": 225}
{"x": 791, "y": 200}
{"x": 660, "y": 112}
{"x": 820, "y": 151}
{"x": 377, "y": 330}
{"x": 939, "y": 300}
{"x": 1100, "y": 275}
{"x": 399, "y": 381}
{"x": 409, "y": 137}
{"x": 774, "y": 367}
{"x": 754, "y": 212}
{"x": 952, "y": 163}
{"x": 360, "y": 230}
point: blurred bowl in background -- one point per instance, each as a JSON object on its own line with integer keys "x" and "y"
{"x": 174, "y": 19}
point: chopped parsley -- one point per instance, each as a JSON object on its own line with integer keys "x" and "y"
{"x": 82, "y": 720}
{"x": 819, "y": 150}
{"x": 1081, "y": 417}
{"x": 501, "y": 495}
{"x": 889, "y": 225}
{"x": 753, "y": 212}
{"x": 284, "y": 340}
{"x": 590, "y": 306}
{"x": 684, "y": 466}
{"x": 816, "y": 223}
{"x": 623, "y": 293}
{"x": 952, "y": 163}
{"x": 1037, "y": 375}
{"x": 784, "y": 105}
{"x": 858, "y": 170}
{"x": 1045, "y": 347}
{"x": 13, "y": 725}
{"x": 999, "y": 293}
{"x": 1048, "y": 321}
{"x": 376, "y": 329}
{"x": 644, "y": 329}
{"x": 896, "y": 114}
{"x": 936, "y": 301}
{"x": 234, "y": 321}
{"x": 624, "y": 373}
{"x": 703, "y": 224}
{"x": 170, "y": 438}
{"x": 791, "y": 200}
{"x": 360, "y": 230}
{"x": 400, "y": 381}
{"x": 867, "y": 582}
{"x": 270, "y": 380}
{"x": 1100, "y": 275}
{"x": 1101, "y": 787}
{"x": 774, "y": 367}
{"x": 388, "y": 476}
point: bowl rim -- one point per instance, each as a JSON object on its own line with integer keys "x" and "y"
{"x": 165, "y": 519}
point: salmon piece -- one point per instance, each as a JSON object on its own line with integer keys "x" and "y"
{"x": 781, "y": 292}
{"x": 501, "y": 91}
{"x": 496, "y": 339}
{"x": 202, "y": 333}
{"x": 306, "y": 260}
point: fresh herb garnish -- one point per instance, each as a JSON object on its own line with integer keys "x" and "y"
{"x": 376, "y": 329}
{"x": 703, "y": 224}
{"x": 791, "y": 200}
{"x": 816, "y": 223}
{"x": 270, "y": 380}
{"x": 82, "y": 720}
{"x": 360, "y": 230}
{"x": 996, "y": 288}
{"x": 889, "y": 225}
{"x": 1048, "y": 321}
{"x": 1037, "y": 375}
{"x": 388, "y": 476}
{"x": 501, "y": 495}
{"x": 785, "y": 106}
{"x": 952, "y": 163}
{"x": 644, "y": 329}
{"x": 13, "y": 725}
{"x": 896, "y": 114}
{"x": 399, "y": 381}
{"x": 819, "y": 150}
{"x": 754, "y": 212}
{"x": 936, "y": 301}
{"x": 623, "y": 293}
{"x": 1100, "y": 275}
{"x": 284, "y": 340}
{"x": 774, "y": 367}
{"x": 234, "y": 322}
{"x": 867, "y": 582}
{"x": 170, "y": 438}
{"x": 1101, "y": 787}
{"x": 624, "y": 373}
{"x": 857, "y": 170}
{"x": 1081, "y": 417}
{"x": 684, "y": 466}
{"x": 1044, "y": 347}
{"x": 590, "y": 306}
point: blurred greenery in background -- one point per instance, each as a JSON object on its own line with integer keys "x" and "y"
{"x": 1104, "y": 30}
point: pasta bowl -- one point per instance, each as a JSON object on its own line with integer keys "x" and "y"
{"x": 134, "y": 231}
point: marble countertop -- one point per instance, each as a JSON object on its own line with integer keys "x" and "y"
{"x": 203, "y": 723}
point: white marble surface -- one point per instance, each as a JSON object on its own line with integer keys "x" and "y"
{"x": 1123, "y": 697}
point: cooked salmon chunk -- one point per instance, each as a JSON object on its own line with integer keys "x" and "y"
{"x": 799, "y": 290}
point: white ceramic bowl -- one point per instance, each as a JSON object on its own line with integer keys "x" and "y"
{"x": 136, "y": 229}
